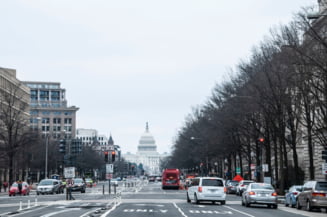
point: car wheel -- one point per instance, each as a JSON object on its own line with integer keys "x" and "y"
{"x": 308, "y": 206}
{"x": 223, "y": 202}
{"x": 286, "y": 203}
{"x": 246, "y": 203}
{"x": 196, "y": 199}
{"x": 188, "y": 198}
{"x": 298, "y": 206}
{"x": 274, "y": 206}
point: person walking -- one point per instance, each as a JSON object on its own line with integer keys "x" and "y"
{"x": 5, "y": 185}
{"x": 20, "y": 186}
{"x": 70, "y": 184}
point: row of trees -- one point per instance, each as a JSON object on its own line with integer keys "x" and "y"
{"x": 279, "y": 94}
{"x": 23, "y": 149}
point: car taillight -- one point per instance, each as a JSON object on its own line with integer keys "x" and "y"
{"x": 225, "y": 189}
{"x": 295, "y": 193}
{"x": 251, "y": 193}
{"x": 242, "y": 185}
{"x": 318, "y": 194}
{"x": 274, "y": 194}
{"x": 199, "y": 189}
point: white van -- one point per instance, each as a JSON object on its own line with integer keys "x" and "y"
{"x": 207, "y": 189}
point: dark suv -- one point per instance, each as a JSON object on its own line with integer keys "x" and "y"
{"x": 313, "y": 195}
{"x": 79, "y": 185}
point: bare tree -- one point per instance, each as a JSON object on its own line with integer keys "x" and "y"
{"x": 15, "y": 136}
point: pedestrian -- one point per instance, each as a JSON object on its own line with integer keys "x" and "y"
{"x": 70, "y": 184}
{"x": 5, "y": 185}
{"x": 20, "y": 186}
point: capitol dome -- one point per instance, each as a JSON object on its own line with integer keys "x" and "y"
{"x": 147, "y": 142}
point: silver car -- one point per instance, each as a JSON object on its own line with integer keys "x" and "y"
{"x": 48, "y": 186}
{"x": 314, "y": 195}
{"x": 260, "y": 193}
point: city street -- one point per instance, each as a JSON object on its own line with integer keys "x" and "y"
{"x": 137, "y": 200}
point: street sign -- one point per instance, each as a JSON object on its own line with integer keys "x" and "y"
{"x": 69, "y": 172}
{"x": 265, "y": 168}
{"x": 324, "y": 168}
{"x": 108, "y": 176}
{"x": 238, "y": 170}
{"x": 109, "y": 168}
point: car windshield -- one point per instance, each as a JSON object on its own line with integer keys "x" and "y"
{"x": 321, "y": 186}
{"x": 246, "y": 183}
{"x": 262, "y": 186}
{"x": 212, "y": 182}
{"x": 14, "y": 185}
{"x": 298, "y": 188}
{"x": 46, "y": 182}
{"x": 233, "y": 183}
{"x": 78, "y": 181}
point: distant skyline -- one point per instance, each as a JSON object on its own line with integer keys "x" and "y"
{"x": 127, "y": 62}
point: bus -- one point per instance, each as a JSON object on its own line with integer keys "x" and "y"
{"x": 170, "y": 179}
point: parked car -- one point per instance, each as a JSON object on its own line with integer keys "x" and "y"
{"x": 152, "y": 179}
{"x": 291, "y": 195}
{"x": 13, "y": 190}
{"x": 207, "y": 189}
{"x": 79, "y": 185}
{"x": 48, "y": 186}
{"x": 260, "y": 193}
{"x": 313, "y": 195}
{"x": 231, "y": 186}
{"x": 115, "y": 181}
{"x": 242, "y": 185}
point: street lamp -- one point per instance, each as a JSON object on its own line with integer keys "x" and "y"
{"x": 46, "y": 155}
{"x": 216, "y": 164}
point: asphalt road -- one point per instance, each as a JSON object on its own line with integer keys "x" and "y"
{"x": 141, "y": 200}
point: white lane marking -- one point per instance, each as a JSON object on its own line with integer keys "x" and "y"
{"x": 244, "y": 213}
{"x": 143, "y": 204}
{"x": 110, "y": 210}
{"x": 180, "y": 210}
{"x": 89, "y": 212}
{"x": 55, "y": 213}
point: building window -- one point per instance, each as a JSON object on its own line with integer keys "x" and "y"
{"x": 45, "y": 128}
{"x": 55, "y": 95}
{"x": 44, "y": 95}
{"x": 68, "y": 121}
{"x": 68, "y": 128}
{"x": 57, "y": 120}
{"x": 45, "y": 120}
{"x": 34, "y": 95}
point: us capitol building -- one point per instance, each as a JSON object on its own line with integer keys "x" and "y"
{"x": 146, "y": 154}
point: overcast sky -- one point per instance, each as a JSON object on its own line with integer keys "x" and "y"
{"x": 128, "y": 62}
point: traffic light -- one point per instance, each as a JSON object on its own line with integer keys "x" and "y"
{"x": 324, "y": 154}
{"x": 62, "y": 146}
{"x": 106, "y": 156}
{"x": 113, "y": 156}
{"x": 261, "y": 139}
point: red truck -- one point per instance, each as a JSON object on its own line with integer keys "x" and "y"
{"x": 170, "y": 178}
